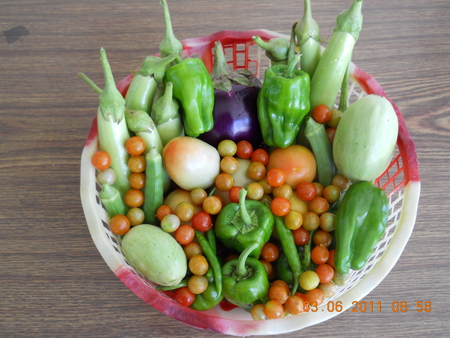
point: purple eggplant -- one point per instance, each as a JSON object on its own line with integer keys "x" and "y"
{"x": 235, "y": 113}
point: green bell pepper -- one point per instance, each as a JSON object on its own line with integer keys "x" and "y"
{"x": 245, "y": 281}
{"x": 283, "y": 103}
{"x": 360, "y": 223}
{"x": 194, "y": 90}
{"x": 240, "y": 224}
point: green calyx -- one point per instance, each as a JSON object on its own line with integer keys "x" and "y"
{"x": 156, "y": 66}
{"x": 307, "y": 27}
{"x": 166, "y": 107}
{"x": 222, "y": 76}
{"x": 170, "y": 44}
{"x": 243, "y": 220}
{"x": 276, "y": 48}
{"x": 241, "y": 271}
{"x": 351, "y": 20}
{"x": 139, "y": 121}
{"x": 112, "y": 103}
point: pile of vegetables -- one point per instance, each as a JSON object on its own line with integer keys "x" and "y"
{"x": 226, "y": 190}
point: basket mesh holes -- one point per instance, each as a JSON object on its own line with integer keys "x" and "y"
{"x": 240, "y": 60}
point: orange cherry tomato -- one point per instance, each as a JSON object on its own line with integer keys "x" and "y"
{"x": 101, "y": 160}
{"x": 280, "y": 206}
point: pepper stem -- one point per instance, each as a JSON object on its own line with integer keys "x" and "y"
{"x": 292, "y": 44}
{"x": 291, "y": 67}
{"x": 241, "y": 270}
{"x": 242, "y": 207}
{"x": 170, "y": 44}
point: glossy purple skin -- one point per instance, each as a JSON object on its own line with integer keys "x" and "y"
{"x": 235, "y": 116}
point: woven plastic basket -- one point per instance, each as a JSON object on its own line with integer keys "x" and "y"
{"x": 400, "y": 181}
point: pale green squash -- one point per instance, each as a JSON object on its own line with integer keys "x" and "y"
{"x": 155, "y": 254}
{"x": 365, "y": 138}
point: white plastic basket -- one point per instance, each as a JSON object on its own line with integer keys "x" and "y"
{"x": 400, "y": 181}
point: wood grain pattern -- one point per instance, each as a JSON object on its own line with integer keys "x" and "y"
{"x": 54, "y": 282}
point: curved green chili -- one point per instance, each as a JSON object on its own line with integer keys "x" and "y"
{"x": 212, "y": 258}
{"x": 290, "y": 250}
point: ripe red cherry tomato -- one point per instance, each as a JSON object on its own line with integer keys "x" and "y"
{"x": 202, "y": 221}
{"x": 321, "y": 113}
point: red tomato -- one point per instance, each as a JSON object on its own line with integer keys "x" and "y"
{"x": 202, "y": 221}
{"x": 184, "y": 296}
{"x": 244, "y": 149}
{"x": 321, "y": 113}
{"x": 260, "y": 155}
{"x": 306, "y": 191}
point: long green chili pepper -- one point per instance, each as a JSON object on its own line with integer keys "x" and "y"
{"x": 211, "y": 237}
{"x": 308, "y": 36}
{"x": 333, "y": 63}
{"x": 112, "y": 127}
{"x": 212, "y": 259}
{"x": 321, "y": 147}
{"x": 290, "y": 250}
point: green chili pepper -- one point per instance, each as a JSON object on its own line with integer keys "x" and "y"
{"x": 208, "y": 298}
{"x": 284, "y": 271}
{"x": 359, "y": 224}
{"x": 245, "y": 281}
{"x": 283, "y": 101}
{"x": 239, "y": 225}
{"x": 290, "y": 250}
{"x": 194, "y": 90}
{"x": 210, "y": 254}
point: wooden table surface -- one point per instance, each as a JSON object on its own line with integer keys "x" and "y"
{"x": 53, "y": 280}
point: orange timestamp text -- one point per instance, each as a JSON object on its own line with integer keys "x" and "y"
{"x": 370, "y": 306}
